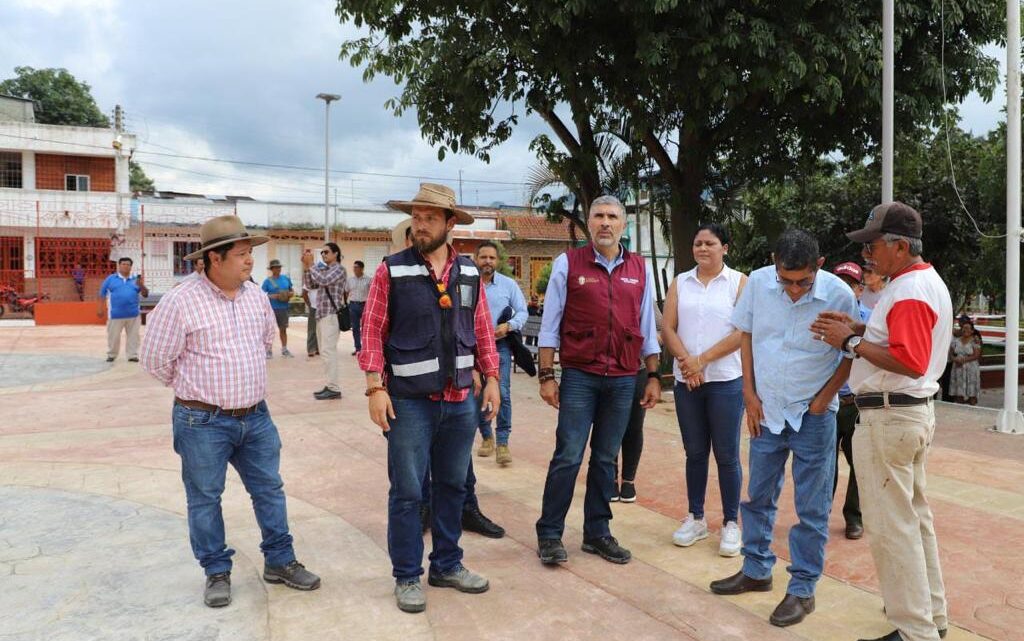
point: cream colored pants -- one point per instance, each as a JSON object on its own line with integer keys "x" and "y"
{"x": 129, "y": 326}
{"x": 327, "y": 339}
{"x": 890, "y": 447}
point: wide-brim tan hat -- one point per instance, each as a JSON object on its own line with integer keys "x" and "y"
{"x": 437, "y": 196}
{"x": 398, "y": 233}
{"x": 222, "y": 230}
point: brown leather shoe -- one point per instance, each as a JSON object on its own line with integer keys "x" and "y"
{"x": 854, "y": 531}
{"x": 792, "y": 610}
{"x": 740, "y": 583}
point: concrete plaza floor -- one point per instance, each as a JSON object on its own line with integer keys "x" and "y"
{"x": 94, "y": 541}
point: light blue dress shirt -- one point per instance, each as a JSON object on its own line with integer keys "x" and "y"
{"x": 554, "y": 304}
{"x": 790, "y": 364}
{"x": 504, "y": 292}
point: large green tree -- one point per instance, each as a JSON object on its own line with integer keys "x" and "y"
{"x": 719, "y": 92}
{"x": 65, "y": 100}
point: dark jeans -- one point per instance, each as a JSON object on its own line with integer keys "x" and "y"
{"x": 355, "y": 310}
{"x": 471, "y": 500}
{"x": 846, "y": 423}
{"x": 709, "y": 420}
{"x": 311, "y": 345}
{"x": 438, "y": 435}
{"x": 633, "y": 439}
{"x": 206, "y": 443}
{"x": 505, "y": 389}
{"x": 585, "y": 400}
{"x": 814, "y": 458}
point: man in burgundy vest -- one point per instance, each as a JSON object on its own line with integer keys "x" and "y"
{"x": 599, "y": 314}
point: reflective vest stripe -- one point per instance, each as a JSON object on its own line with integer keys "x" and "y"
{"x": 402, "y": 271}
{"x": 417, "y": 369}
{"x": 464, "y": 361}
{"x": 468, "y": 270}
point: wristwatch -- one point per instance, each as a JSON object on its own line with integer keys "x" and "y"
{"x": 851, "y": 346}
{"x": 653, "y": 375}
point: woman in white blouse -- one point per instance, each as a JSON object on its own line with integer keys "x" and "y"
{"x": 700, "y": 336}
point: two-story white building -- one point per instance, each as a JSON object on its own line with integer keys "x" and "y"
{"x": 64, "y": 198}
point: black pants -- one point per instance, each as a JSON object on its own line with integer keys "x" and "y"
{"x": 846, "y": 423}
{"x": 633, "y": 439}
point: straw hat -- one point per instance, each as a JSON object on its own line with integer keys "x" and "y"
{"x": 437, "y": 196}
{"x": 221, "y": 231}
{"x": 274, "y": 263}
{"x": 399, "y": 232}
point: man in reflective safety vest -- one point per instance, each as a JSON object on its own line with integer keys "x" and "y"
{"x": 426, "y": 327}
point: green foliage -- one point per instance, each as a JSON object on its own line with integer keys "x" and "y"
{"x": 720, "y": 93}
{"x": 62, "y": 99}
{"x": 543, "y": 277}
{"x": 503, "y": 266}
{"x": 138, "y": 179}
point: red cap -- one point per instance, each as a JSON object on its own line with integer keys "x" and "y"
{"x": 852, "y": 270}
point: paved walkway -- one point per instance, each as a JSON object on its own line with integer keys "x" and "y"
{"x": 93, "y": 538}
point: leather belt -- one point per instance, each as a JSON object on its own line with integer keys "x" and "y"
{"x": 206, "y": 407}
{"x": 848, "y": 399}
{"x": 880, "y": 400}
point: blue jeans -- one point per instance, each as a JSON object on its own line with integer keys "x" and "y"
{"x": 440, "y": 435}
{"x": 505, "y": 387}
{"x": 206, "y": 443}
{"x": 709, "y": 420}
{"x": 814, "y": 459}
{"x": 355, "y": 311}
{"x": 586, "y": 399}
{"x": 470, "y": 502}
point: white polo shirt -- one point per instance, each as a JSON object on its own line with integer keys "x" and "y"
{"x": 914, "y": 320}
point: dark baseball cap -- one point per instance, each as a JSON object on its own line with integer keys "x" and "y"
{"x": 890, "y": 218}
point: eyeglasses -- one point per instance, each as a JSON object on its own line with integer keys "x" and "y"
{"x": 869, "y": 248}
{"x": 804, "y": 283}
{"x": 324, "y": 252}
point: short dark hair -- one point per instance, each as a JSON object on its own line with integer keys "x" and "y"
{"x": 334, "y": 248}
{"x": 124, "y": 259}
{"x": 718, "y": 231}
{"x": 796, "y": 249}
{"x": 221, "y": 251}
{"x": 487, "y": 243}
{"x": 359, "y": 264}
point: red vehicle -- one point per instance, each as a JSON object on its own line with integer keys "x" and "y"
{"x": 9, "y": 298}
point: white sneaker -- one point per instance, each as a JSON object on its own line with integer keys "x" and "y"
{"x": 730, "y": 545}
{"x": 691, "y": 531}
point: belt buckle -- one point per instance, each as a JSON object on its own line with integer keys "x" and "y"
{"x": 885, "y": 400}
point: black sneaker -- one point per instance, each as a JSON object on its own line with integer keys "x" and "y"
{"x": 607, "y": 548}
{"x": 218, "y": 590}
{"x": 294, "y": 575}
{"x": 326, "y": 395}
{"x": 110, "y": 359}
{"x": 551, "y": 551}
{"x": 627, "y": 492}
{"x": 133, "y": 360}
{"x": 425, "y": 516}
{"x": 473, "y": 520}
{"x": 615, "y": 492}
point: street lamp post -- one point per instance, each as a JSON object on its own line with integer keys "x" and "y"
{"x": 328, "y": 98}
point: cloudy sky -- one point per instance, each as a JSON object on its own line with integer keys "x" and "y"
{"x": 237, "y": 80}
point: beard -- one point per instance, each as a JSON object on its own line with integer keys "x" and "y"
{"x": 428, "y": 245}
{"x": 487, "y": 269}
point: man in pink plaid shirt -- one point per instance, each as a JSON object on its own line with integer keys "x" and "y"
{"x": 208, "y": 338}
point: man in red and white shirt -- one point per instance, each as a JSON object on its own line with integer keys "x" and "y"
{"x": 208, "y": 338}
{"x": 426, "y": 327}
{"x": 898, "y": 359}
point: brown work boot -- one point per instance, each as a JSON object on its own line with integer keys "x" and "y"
{"x": 486, "y": 447}
{"x": 504, "y": 456}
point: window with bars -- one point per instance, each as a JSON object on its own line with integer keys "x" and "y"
{"x": 76, "y": 182}
{"x": 56, "y": 257}
{"x": 183, "y": 248}
{"x": 10, "y": 170}
{"x": 516, "y": 263}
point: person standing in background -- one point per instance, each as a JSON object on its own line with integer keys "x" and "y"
{"x": 709, "y": 382}
{"x": 123, "y": 291}
{"x": 358, "y": 287}
{"x": 329, "y": 278}
{"x": 279, "y": 290}
{"x": 873, "y": 286}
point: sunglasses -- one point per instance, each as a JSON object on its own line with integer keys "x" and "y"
{"x": 804, "y": 283}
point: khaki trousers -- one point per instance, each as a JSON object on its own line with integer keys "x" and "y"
{"x": 130, "y": 326}
{"x": 890, "y": 447}
{"x": 327, "y": 338}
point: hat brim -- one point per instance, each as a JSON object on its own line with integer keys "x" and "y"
{"x": 462, "y": 216}
{"x": 865, "y": 235}
{"x": 255, "y": 240}
{"x": 398, "y": 233}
